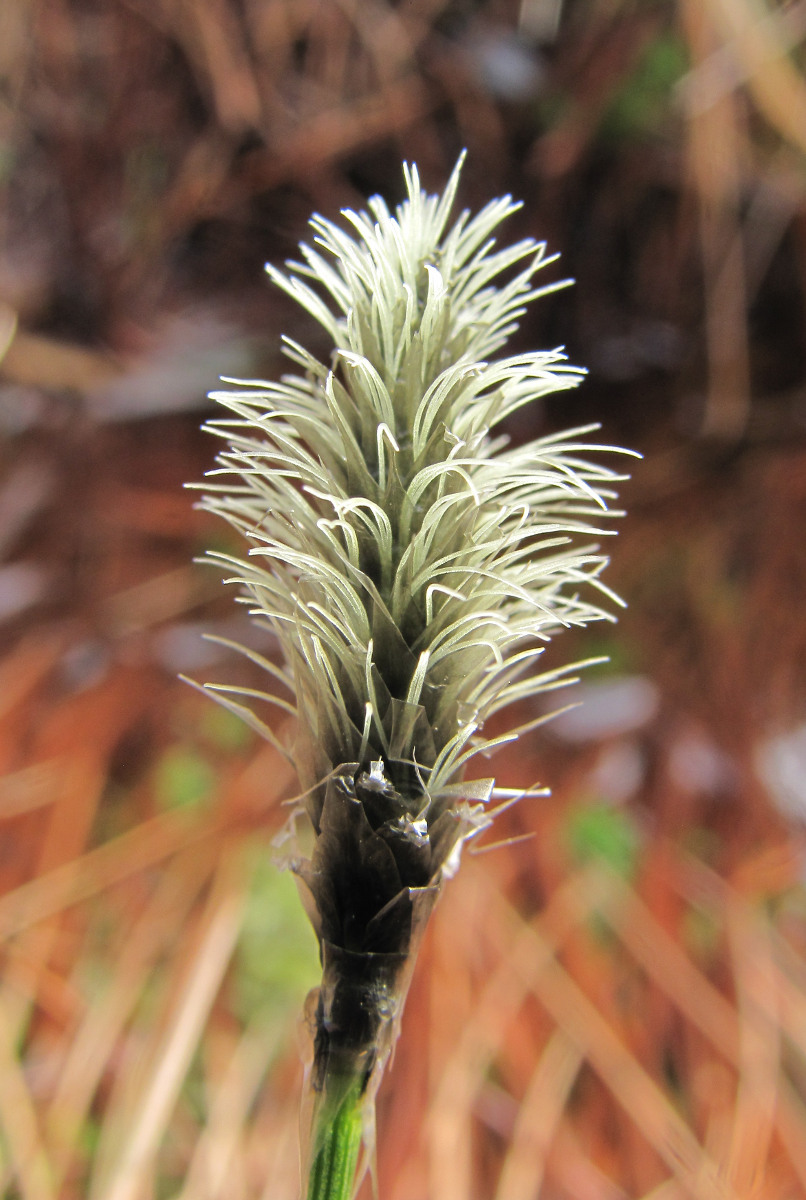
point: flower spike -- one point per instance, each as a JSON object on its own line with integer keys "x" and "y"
{"x": 411, "y": 565}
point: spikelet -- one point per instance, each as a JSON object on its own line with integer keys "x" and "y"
{"x": 412, "y": 566}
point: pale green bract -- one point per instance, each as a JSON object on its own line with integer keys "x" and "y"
{"x": 401, "y": 552}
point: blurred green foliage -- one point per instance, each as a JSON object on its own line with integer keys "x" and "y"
{"x": 277, "y": 961}
{"x": 643, "y": 101}
{"x": 595, "y": 833}
{"x": 183, "y": 779}
{"x": 702, "y": 934}
{"x": 223, "y": 730}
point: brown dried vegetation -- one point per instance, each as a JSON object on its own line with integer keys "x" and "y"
{"x": 613, "y": 1008}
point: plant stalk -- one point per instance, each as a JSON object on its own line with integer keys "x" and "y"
{"x": 336, "y": 1138}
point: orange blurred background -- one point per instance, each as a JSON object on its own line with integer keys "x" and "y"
{"x": 613, "y": 1005}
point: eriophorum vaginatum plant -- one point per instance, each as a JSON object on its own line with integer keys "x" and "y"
{"x": 411, "y": 565}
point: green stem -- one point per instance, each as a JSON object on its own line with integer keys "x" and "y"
{"x": 338, "y": 1126}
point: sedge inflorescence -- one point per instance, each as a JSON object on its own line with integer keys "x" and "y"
{"x": 409, "y": 561}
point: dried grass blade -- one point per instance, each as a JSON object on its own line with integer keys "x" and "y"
{"x": 538, "y": 1117}
{"x": 759, "y": 41}
{"x": 149, "y": 843}
{"x": 715, "y": 155}
{"x": 790, "y": 1125}
{"x": 699, "y": 883}
{"x": 93, "y": 1043}
{"x": 18, "y": 1122}
{"x": 135, "y": 1126}
{"x": 672, "y": 971}
{"x": 759, "y": 1045}
{"x": 70, "y": 819}
{"x": 484, "y": 1033}
{"x": 621, "y": 1073}
{"x": 245, "y": 798}
{"x": 216, "y": 1154}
